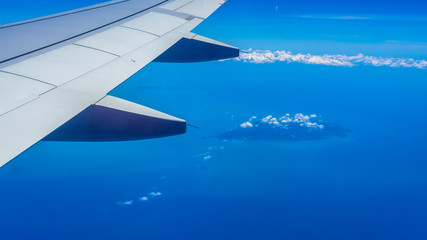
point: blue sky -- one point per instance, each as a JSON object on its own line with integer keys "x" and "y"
{"x": 368, "y": 185}
{"x": 386, "y": 28}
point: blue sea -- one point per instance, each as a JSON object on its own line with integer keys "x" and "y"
{"x": 369, "y": 184}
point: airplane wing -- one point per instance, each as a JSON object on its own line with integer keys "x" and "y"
{"x": 56, "y": 71}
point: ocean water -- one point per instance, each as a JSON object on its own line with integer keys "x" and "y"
{"x": 370, "y": 184}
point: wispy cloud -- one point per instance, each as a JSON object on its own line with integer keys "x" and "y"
{"x": 149, "y": 196}
{"x": 381, "y": 17}
{"x": 334, "y": 17}
{"x": 266, "y": 56}
{"x": 126, "y": 203}
{"x": 155, "y": 194}
{"x": 210, "y": 152}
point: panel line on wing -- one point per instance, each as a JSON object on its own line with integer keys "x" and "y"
{"x": 165, "y": 32}
{"x": 184, "y": 5}
{"x": 177, "y": 4}
{"x": 96, "y": 49}
{"x": 156, "y": 23}
{"x": 139, "y": 30}
{"x": 16, "y": 91}
{"x": 118, "y": 40}
{"x": 61, "y": 65}
{"x": 30, "y": 78}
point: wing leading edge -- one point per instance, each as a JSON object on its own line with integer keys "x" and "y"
{"x": 64, "y": 77}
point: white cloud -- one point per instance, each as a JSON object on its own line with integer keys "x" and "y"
{"x": 130, "y": 202}
{"x": 286, "y": 127}
{"x": 246, "y": 125}
{"x": 143, "y": 199}
{"x": 155, "y": 194}
{"x": 310, "y": 121}
{"x": 260, "y": 56}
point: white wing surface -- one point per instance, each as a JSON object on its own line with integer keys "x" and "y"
{"x": 61, "y": 67}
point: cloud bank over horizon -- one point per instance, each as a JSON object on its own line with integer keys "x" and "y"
{"x": 267, "y": 56}
{"x": 289, "y": 127}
